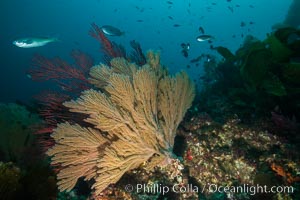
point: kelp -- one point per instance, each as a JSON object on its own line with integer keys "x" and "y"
{"x": 280, "y": 52}
{"x": 274, "y": 86}
{"x": 256, "y": 66}
{"x": 260, "y": 74}
{"x": 226, "y": 53}
{"x": 292, "y": 72}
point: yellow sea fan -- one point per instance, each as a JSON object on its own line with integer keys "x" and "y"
{"x": 134, "y": 116}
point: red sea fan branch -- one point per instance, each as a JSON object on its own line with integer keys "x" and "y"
{"x": 83, "y": 60}
{"x": 107, "y": 46}
{"x": 53, "y": 112}
{"x": 137, "y": 54}
{"x": 52, "y": 109}
{"x": 70, "y": 78}
{"x": 47, "y": 69}
{"x": 110, "y": 49}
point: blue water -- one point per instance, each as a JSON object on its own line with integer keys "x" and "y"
{"x": 70, "y": 21}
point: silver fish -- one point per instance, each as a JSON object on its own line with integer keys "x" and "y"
{"x": 111, "y": 31}
{"x": 202, "y": 38}
{"x": 33, "y": 42}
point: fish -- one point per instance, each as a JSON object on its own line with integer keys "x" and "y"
{"x": 111, "y": 31}
{"x": 201, "y": 30}
{"x": 176, "y": 25}
{"x": 202, "y": 38}
{"x": 195, "y": 60}
{"x": 185, "y": 46}
{"x": 185, "y": 53}
{"x": 33, "y": 42}
{"x": 230, "y": 8}
{"x": 185, "y": 49}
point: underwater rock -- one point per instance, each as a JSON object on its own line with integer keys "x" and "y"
{"x": 9, "y": 180}
{"x": 233, "y": 154}
{"x": 293, "y": 15}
